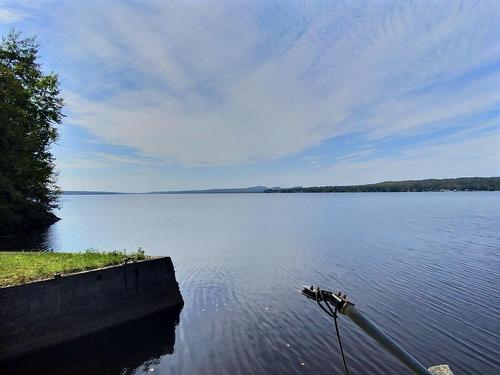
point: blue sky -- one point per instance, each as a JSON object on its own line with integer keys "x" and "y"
{"x": 199, "y": 94}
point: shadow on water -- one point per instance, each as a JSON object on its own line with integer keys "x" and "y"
{"x": 119, "y": 350}
{"x": 35, "y": 239}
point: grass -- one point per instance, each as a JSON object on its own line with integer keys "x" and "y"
{"x": 20, "y": 267}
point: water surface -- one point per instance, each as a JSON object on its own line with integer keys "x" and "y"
{"x": 424, "y": 266}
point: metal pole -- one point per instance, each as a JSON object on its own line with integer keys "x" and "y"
{"x": 389, "y": 344}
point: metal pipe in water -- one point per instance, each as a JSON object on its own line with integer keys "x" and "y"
{"x": 389, "y": 344}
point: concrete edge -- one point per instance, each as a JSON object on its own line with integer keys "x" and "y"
{"x": 150, "y": 258}
{"x": 171, "y": 301}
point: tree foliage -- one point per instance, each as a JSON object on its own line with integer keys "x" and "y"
{"x": 446, "y": 184}
{"x": 30, "y": 109}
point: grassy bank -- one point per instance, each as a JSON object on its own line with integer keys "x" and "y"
{"x": 21, "y": 267}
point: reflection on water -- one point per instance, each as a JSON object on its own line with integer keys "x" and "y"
{"x": 133, "y": 347}
{"x": 407, "y": 260}
{"x": 36, "y": 239}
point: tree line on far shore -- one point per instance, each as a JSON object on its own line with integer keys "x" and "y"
{"x": 446, "y": 184}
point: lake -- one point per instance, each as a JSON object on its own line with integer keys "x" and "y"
{"x": 424, "y": 266}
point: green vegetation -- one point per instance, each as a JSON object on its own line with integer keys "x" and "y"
{"x": 30, "y": 108}
{"x": 447, "y": 184}
{"x": 20, "y": 267}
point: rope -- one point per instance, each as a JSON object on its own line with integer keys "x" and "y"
{"x": 334, "y": 315}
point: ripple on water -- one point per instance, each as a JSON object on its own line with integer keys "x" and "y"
{"x": 424, "y": 267}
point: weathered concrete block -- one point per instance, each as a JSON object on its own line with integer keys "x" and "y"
{"x": 440, "y": 370}
{"x": 44, "y": 313}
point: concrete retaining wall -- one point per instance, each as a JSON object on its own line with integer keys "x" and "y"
{"x": 39, "y": 314}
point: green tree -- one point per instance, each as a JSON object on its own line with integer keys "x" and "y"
{"x": 30, "y": 109}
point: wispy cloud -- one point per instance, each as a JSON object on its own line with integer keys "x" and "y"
{"x": 219, "y": 102}
{"x": 474, "y": 157}
{"x": 109, "y": 160}
{"x": 9, "y": 16}
{"x": 230, "y": 83}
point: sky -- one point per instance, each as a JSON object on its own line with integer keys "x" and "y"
{"x": 168, "y": 95}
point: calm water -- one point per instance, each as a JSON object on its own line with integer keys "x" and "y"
{"x": 424, "y": 266}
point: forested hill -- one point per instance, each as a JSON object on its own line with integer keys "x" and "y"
{"x": 446, "y": 184}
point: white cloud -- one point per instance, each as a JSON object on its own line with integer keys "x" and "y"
{"x": 212, "y": 83}
{"x": 9, "y": 15}
{"x": 468, "y": 157}
{"x": 93, "y": 160}
{"x": 216, "y": 102}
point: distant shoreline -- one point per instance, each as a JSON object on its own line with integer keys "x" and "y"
{"x": 415, "y": 186}
{"x": 463, "y": 184}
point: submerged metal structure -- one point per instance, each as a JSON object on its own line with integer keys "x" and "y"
{"x": 347, "y": 308}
